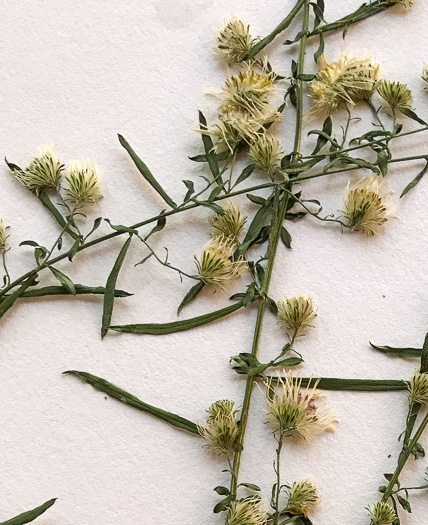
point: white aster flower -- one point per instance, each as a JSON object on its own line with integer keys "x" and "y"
{"x": 296, "y": 313}
{"x": 382, "y": 514}
{"x": 234, "y": 41}
{"x": 44, "y": 172}
{"x": 303, "y": 496}
{"x": 248, "y": 511}
{"x": 82, "y": 184}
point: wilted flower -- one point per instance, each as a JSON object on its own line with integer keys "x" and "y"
{"x": 251, "y": 91}
{"x": 3, "y": 237}
{"x": 302, "y": 497}
{"x": 234, "y": 41}
{"x": 228, "y": 225}
{"x": 82, "y": 183}
{"x": 346, "y": 80}
{"x": 296, "y": 313}
{"x": 221, "y": 429}
{"x": 367, "y": 205}
{"x": 382, "y": 514}
{"x": 396, "y": 94}
{"x": 419, "y": 387}
{"x": 265, "y": 151}
{"x": 232, "y": 127}
{"x": 43, "y": 173}
{"x": 248, "y": 511}
{"x": 216, "y": 266}
{"x": 292, "y": 412}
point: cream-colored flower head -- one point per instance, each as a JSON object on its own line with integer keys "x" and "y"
{"x": 382, "y": 514}
{"x": 265, "y": 151}
{"x": 221, "y": 430}
{"x": 216, "y": 266}
{"x": 234, "y": 41}
{"x": 248, "y": 511}
{"x": 251, "y": 91}
{"x": 302, "y": 497}
{"x": 344, "y": 81}
{"x": 293, "y": 411}
{"x": 419, "y": 387}
{"x": 43, "y": 173}
{"x": 367, "y": 205}
{"x": 3, "y": 237}
{"x": 425, "y": 74}
{"x": 82, "y": 183}
{"x": 233, "y": 126}
{"x": 228, "y": 225}
{"x": 296, "y": 313}
{"x": 396, "y": 94}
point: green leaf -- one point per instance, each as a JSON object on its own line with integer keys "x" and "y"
{"x": 129, "y": 399}
{"x": 146, "y": 173}
{"x": 255, "y": 228}
{"x": 223, "y": 505}
{"x": 190, "y": 189}
{"x": 96, "y": 225}
{"x": 246, "y": 172}
{"x": 177, "y": 326}
{"x": 405, "y": 353}
{"x": 414, "y": 181}
{"x": 355, "y": 385}
{"x": 256, "y": 199}
{"x": 209, "y": 150}
{"x": 120, "y": 228}
{"x": 324, "y": 136}
{"x": 250, "y": 486}
{"x": 64, "y": 280}
{"x": 79, "y": 289}
{"x": 286, "y": 237}
{"x": 404, "y": 503}
{"x": 411, "y": 114}
{"x": 9, "y": 300}
{"x": 212, "y": 206}
{"x": 111, "y": 286}
{"x": 74, "y": 249}
{"x": 30, "y": 515}
{"x": 222, "y": 491}
{"x": 224, "y": 155}
{"x": 49, "y": 205}
{"x": 190, "y": 295}
{"x": 320, "y": 49}
{"x": 160, "y": 225}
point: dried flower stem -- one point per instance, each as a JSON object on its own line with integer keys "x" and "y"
{"x": 278, "y": 219}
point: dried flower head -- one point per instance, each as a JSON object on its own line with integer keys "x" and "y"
{"x": 382, "y": 514}
{"x": 228, "y": 225}
{"x": 3, "y": 237}
{"x": 419, "y": 387}
{"x": 251, "y": 91}
{"x": 216, "y": 266}
{"x": 396, "y": 94}
{"x": 404, "y": 3}
{"x": 43, "y": 173}
{"x": 82, "y": 183}
{"x": 248, "y": 511}
{"x": 367, "y": 205}
{"x": 296, "y": 313}
{"x": 232, "y": 127}
{"x": 265, "y": 151}
{"x": 344, "y": 81}
{"x": 302, "y": 497}
{"x": 234, "y": 41}
{"x": 221, "y": 430}
{"x": 293, "y": 412}
{"x": 425, "y": 74}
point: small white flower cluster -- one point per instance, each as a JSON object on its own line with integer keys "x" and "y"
{"x": 217, "y": 264}
{"x": 44, "y": 174}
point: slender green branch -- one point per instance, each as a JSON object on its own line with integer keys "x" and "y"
{"x": 278, "y": 478}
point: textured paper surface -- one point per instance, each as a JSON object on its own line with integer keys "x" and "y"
{"x": 79, "y": 73}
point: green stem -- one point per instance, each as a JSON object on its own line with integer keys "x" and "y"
{"x": 273, "y": 242}
{"x": 278, "y": 479}
{"x": 255, "y": 50}
{"x": 403, "y": 457}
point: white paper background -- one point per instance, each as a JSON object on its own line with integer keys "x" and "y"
{"x": 76, "y": 74}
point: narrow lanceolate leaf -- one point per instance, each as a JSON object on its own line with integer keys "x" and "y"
{"x": 414, "y": 181}
{"x": 146, "y": 173}
{"x": 286, "y": 237}
{"x": 209, "y": 150}
{"x": 111, "y": 286}
{"x": 399, "y": 352}
{"x": 411, "y": 114}
{"x": 31, "y": 515}
{"x": 177, "y": 326}
{"x": 191, "y": 294}
{"x": 64, "y": 280}
{"x": 56, "y": 214}
{"x": 129, "y": 399}
{"x": 8, "y": 301}
{"x": 355, "y": 385}
{"x": 255, "y": 228}
{"x": 79, "y": 289}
